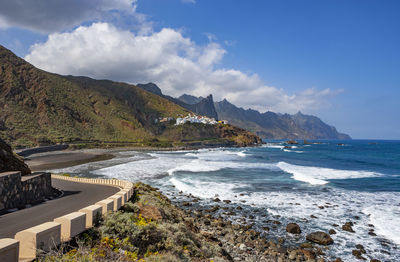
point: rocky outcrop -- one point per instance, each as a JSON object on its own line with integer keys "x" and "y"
{"x": 199, "y": 105}
{"x": 293, "y": 228}
{"x": 320, "y": 237}
{"x": 10, "y": 161}
{"x": 348, "y": 226}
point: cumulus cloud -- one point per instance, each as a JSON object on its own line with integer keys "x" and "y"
{"x": 168, "y": 58}
{"x": 56, "y": 15}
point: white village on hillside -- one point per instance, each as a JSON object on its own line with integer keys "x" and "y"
{"x": 192, "y": 119}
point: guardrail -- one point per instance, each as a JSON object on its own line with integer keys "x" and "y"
{"x": 43, "y": 237}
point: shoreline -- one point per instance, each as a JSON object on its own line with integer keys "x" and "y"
{"x": 208, "y": 214}
{"x": 64, "y": 159}
{"x": 72, "y": 157}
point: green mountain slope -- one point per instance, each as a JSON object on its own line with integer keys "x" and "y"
{"x": 37, "y": 107}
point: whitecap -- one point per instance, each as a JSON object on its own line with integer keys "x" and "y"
{"x": 386, "y": 219}
{"x": 320, "y": 175}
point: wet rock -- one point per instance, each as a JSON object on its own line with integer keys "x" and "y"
{"x": 320, "y": 237}
{"x": 348, "y": 227}
{"x": 306, "y": 245}
{"x": 374, "y": 260}
{"x": 312, "y": 216}
{"x": 357, "y": 254}
{"x": 276, "y": 222}
{"x": 309, "y": 254}
{"x": 338, "y": 260}
{"x": 186, "y": 204}
{"x": 361, "y": 248}
{"x": 332, "y": 232}
{"x": 293, "y": 228}
{"x": 239, "y": 208}
{"x": 217, "y": 199}
{"x": 227, "y": 201}
{"x": 335, "y": 225}
{"x": 214, "y": 209}
{"x": 371, "y": 233}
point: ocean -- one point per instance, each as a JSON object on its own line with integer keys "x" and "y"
{"x": 320, "y": 186}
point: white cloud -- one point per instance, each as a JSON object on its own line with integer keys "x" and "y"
{"x": 171, "y": 60}
{"x": 189, "y": 1}
{"x": 55, "y": 15}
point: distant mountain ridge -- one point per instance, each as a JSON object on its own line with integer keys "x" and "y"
{"x": 268, "y": 125}
{"x": 271, "y": 125}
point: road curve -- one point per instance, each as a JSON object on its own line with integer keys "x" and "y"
{"x": 76, "y": 196}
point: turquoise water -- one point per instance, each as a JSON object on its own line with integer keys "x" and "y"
{"x": 356, "y": 181}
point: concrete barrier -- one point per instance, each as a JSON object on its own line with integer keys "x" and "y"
{"x": 9, "y": 250}
{"x": 107, "y": 205}
{"x": 29, "y": 242}
{"x": 71, "y": 225}
{"x": 92, "y": 212}
{"x": 39, "y": 238}
{"x": 117, "y": 201}
{"x": 124, "y": 197}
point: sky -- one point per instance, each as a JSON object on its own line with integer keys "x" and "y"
{"x": 336, "y": 59}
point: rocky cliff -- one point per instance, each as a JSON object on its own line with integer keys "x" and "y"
{"x": 201, "y": 106}
{"x": 10, "y": 161}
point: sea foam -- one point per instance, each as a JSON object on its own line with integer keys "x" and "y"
{"x": 320, "y": 175}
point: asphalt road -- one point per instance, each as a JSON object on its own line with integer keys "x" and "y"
{"x": 76, "y": 196}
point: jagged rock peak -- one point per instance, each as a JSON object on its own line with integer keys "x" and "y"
{"x": 151, "y": 87}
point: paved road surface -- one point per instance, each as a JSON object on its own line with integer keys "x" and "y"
{"x": 77, "y": 196}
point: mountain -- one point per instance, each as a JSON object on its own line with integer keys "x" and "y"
{"x": 267, "y": 125}
{"x": 199, "y": 105}
{"x": 37, "y": 107}
{"x": 189, "y": 99}
{"x": 270, "y": 125}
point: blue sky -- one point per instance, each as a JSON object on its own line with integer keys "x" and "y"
{"x": 339, "y": 60}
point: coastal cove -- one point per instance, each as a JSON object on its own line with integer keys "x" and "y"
{"x": 320, "y": 186}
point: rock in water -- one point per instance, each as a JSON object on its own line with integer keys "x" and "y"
{"x": 320, "y": 237}
{"x": 293, "y": 228}
{"x": 348, "y": 227}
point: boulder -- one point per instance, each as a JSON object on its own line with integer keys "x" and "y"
{"x": 357, "y": 254}
{"x": 332, "y": 231}
{"x": 348, "y": 227}
{"x": 320, "y": 237}
{"x": 293, "y": 228}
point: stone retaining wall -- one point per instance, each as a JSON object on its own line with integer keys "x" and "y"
{"x": 17, "y": 191}
{"x": 29, "y": 242}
